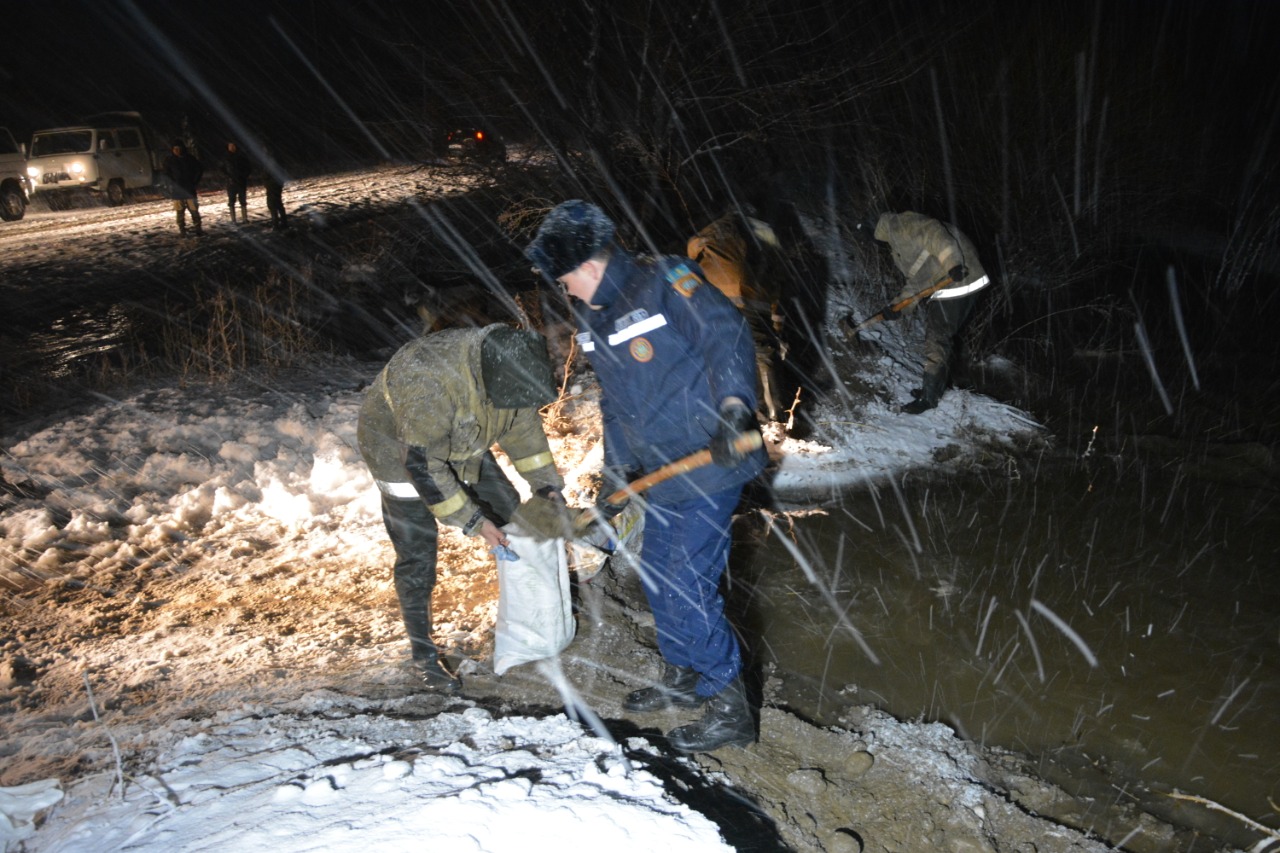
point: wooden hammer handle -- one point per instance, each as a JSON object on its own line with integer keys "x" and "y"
{"x": 744, "y": 444}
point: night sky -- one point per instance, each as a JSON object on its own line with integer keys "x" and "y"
{"x": 282, "y": 69}
{"x": 989, "y": 113}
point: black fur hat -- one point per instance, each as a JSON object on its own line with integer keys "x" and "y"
{"x": 572, "y": 232}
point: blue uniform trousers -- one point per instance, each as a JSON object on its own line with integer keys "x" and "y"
{"x": 685, "y": 552}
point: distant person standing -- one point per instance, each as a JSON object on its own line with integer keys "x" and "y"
{"x": 928, "y": 252}
{"x": 237, "y": 169}
{"x": 273, "y": 183}
{"x": 184, "y": 172}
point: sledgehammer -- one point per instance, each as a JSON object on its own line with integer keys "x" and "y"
{"x": 955, "y": 274}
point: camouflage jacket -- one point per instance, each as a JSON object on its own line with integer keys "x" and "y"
{"x": 431, "y": 396}
{"x": 924, "y": 250}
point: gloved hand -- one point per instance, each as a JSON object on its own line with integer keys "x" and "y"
{"x": 545, "y": 517}
{"x": 608, "y": 511}
{"x": 612, "y": 478}
{"x": 551, "y": 493}
{"x": 735, "y": 421}
{"x": 957, "y": 273}
{"x": 890, "y": 315}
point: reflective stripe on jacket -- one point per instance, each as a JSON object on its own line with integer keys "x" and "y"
{"x": 924, "y": 250}
{"x": 668, "y": 349}
{"x": 430, "y": 396}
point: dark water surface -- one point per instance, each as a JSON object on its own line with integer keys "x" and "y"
{"x": 1113, "y": 610}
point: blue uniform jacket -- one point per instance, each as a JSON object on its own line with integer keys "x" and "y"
{"x": 667, "y": 348}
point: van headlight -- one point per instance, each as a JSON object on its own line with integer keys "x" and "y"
{"x": 76, "y": 168}
{"x": 33, "y": 171}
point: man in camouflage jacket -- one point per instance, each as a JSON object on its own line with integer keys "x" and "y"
{"x": 425, "y": 430}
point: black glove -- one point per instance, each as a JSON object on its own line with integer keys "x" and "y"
{"x": 608, "y": 511}
{"x": 612, "y": 478}
{"x": 957, "y": 273}
{"x": 890, "y": 315}
{"x": 551, "y": 493}
{"x": 735, "y": 421}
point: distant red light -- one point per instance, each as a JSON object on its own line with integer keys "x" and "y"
{"x": 479, "y": 134}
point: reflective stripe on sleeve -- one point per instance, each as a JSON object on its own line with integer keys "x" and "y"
{"x": 534, "y": 462}
{"x": 450, "y": 505}
{"x": 397, "y": 490}
{"x": 919, "y": 262}
{"x": 952, "y": 292}
{"x": 584, "y": 341}
{"x": 648, "y": 324}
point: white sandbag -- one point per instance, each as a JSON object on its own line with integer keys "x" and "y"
{"x": 535, "y": 610}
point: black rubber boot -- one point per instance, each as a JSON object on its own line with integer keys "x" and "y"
{"x": 727, "y": 722}
{"x": 935, "y": 383}
{"x": 436, "y": 677}
{"x": 675, "y": 690}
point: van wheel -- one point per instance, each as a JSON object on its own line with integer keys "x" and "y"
{"x": 115, "y": 193}
{"x": 12, "y": 204}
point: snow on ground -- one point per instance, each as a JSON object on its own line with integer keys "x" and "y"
{"x": 301, "y": 779}
{"x": 247, "y": 484}
{"x": 197, "y": 575}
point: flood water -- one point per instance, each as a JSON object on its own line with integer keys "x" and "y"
{"x": 1114, "y": 614}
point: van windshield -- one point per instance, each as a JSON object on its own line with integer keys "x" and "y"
{"x": 65, "y": 142}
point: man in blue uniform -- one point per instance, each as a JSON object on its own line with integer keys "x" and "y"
{"x": 676, "y": 367}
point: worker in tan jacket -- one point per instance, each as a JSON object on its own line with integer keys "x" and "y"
{"x": 426, "y": 427}
{"x": 732, "y": 253}
{"x": 927, "y": 251}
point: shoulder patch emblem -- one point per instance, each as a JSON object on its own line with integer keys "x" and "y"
{"x": 641, "y": 349}
{"x": 684, "y": 280}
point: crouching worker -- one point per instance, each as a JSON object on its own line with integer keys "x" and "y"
{"x": 426, "y": 427}
{"x": 928, "y": 252}
{"x": 677, "y": 374}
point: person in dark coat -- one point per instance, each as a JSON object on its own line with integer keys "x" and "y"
{"x": 425, "y": 430}
{"x": 183, "y": 172}
{"x": 273, "y": 184}
{"x": 676, "y": 367}
{"x": 237, "y": 168}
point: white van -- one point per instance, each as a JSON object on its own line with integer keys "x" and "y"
{"x": 101, "y": 159}
{"x": 13, "y": 178}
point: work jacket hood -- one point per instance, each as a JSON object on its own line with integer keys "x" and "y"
{"x": 431, "y": 397}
